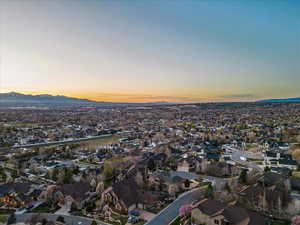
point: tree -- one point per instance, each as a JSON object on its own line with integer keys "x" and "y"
{"x": 60, "y": 219}
{"x": 74, "y": 207}
{"x": 55, "y": 173}
{"x": 185, "y": 210}
{"x": 34, "y": 219}
{"x": 108, "y": 171}
{"x": 209, "y": 193}
{"x": 243, "y": 176}
{"x": 100, "y": 187}
{"x": 296, "y": 154}
{"x": 296, "y": 220}
{"x": 11, "y": 219}
{"x": 65, "y": 176}
{"x": 94, "y": 223}
{"x": 68, "y": 176}
{"x": 93, "y": 183}
{"x": 76, "y": 170}
{"x": 151, "y": 164}
{"x": 90, "y": 207}
{"x": 187, "y": 183}
{"x": 14, "y": 174}
{"x": 267, "y": 169}
{"x": 227, "y": 188}
{"x": 44, "y": 221}
{"x": 172, "y": 189}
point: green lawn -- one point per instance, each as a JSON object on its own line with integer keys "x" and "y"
{"x": 44, "y": 208}
{"x": 255, "y": 160}
{"x": 123, "y": 219}
{"x": 3, "y": 218}
{"x": 101, "y": 141}
{"x": 176, "y": 221}
{"x": 6, "y": 211}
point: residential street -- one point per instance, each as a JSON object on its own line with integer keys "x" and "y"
{"x": 218, "y": 182}
{"x": 171, "y": 212}
{"x": 70, "y": 220}
{"x": 237, "y": 154}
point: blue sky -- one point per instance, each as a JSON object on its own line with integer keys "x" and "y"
{"x": 152, "y": 50}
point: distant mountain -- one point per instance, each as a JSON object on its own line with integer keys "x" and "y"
{"x": 22, "y": 99}
{"x": 281, "y": 100}
{"x": 14, "y": 97}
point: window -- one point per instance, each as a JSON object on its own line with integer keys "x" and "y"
{"x": 216, "y": 221}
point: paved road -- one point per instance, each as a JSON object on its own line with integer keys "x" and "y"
{"x": 237, "y": 154}
{"x": 218, "y": 182}
{"x": 171, "y": 212}
{"x": 184, "y": 175}
{"x": 70, "y": 220}
{"x": 61, "y": 142}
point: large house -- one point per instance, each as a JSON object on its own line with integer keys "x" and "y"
{"x": 212, "y": 212}
{"x": 77, "y": 193}
{"x": 18, "y": 194}
{"x": 123, "y": 196}
{"x": 270, "y": 194}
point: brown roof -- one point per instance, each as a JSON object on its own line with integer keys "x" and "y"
{"x": 127, "y": 191}
{"x": 236, "y": 215}
{"x": 78, "y": 191}
{"x": 210, "y": 207}
{"x": 20, "y": 188}
{"x": 233, "y": 214}
{"x": 256, "y": 218}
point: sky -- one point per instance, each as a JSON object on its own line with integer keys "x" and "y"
{"x": 151, "y": 50}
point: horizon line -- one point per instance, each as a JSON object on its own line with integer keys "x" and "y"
{"x": 209, "y": 100}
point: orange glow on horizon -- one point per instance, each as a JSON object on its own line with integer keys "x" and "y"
{"x": 131, "y": 97}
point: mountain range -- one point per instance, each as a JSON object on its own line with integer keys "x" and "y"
{"x": 281, "y": 100}
{"x": 18, "y": 98}
{"x": 13, "y": 97}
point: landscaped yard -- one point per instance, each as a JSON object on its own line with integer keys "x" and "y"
{"x": 255, "y": 160}
{"x": 44, "y": 208}
{"x": 176, "y": 221}
{"x": 4, "y": 214}
{"x": 3, "y": 218}
{"x": 123, "y": 219}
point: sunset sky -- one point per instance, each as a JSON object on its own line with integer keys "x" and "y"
{"x": 151, "y": 50}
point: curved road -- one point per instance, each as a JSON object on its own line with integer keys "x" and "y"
{"x": 237, "y": 154}
{"x": 171, "y": 212}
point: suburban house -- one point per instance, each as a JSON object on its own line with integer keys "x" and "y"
{"x": 19, "y": 194}
{"x": 266, "y": 196}
{"x": 166, "y": 181}
{"x": 77, "y": 193}
{"x": 123, "y": 196}
{"x": 212, "y": 212}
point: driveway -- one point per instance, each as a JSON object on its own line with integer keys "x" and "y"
{"x": 64, "y": 210}
{"x": 146, "y": 215}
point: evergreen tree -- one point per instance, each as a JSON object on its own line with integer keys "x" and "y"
{"x": 243, "y": 177}
{"x": 60, "y": 219}
{"x": 11, "y": 219}
{"x": 151, "y": 164}
{"x": 209, "y": 193}
{"x": 187, "y": 183}
{"x": 94, "y": 223}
